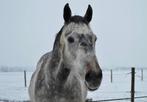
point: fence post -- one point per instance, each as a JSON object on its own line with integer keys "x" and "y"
{"x": 111, "y": 76}
{"x": 141, "y": 74}
{"x": 25, "y": 79}
{"x": 132, "y": 84}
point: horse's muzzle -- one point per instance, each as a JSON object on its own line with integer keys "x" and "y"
{"x": 93, "y": 79}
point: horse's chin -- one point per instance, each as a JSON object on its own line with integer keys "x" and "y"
{"x": 90, "y": 88}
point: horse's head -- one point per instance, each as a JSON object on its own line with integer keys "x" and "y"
{"x": 77, "y": 42}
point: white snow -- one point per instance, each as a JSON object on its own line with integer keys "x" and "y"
{"x": 12, "y": 86}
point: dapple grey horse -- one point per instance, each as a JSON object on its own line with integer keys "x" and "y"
{"x": 71, "y": 69}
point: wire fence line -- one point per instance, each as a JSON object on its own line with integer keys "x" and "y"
{"x": 6, "y": 100}
{"x": 88, "y": 100}
{"x": 139, "y": 75}
{"x": 116, "y": 99}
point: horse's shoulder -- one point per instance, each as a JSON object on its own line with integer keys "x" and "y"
{"x": 42, "y": 61}
{"x": 39, "y": 73}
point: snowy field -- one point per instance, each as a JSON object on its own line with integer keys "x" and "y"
{"x": 12, "y": 86}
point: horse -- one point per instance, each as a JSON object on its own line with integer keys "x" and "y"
{"x": 71, "y": 69}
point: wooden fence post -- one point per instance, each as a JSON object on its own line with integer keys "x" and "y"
{"x": 141, "y": 74}
{"x": 132, "y": 84}
{"x": 25, "y": 79}
{"x": 111, "y": 76}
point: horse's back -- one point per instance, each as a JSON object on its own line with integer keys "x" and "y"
{"x": 38, "y": 74}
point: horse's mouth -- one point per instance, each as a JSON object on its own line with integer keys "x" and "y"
{"x": 89, "y": 88}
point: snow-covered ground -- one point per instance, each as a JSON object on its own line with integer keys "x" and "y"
{"x": 12, "y": 86}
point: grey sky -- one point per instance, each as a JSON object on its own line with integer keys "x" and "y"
{"x": 28, "y": 29}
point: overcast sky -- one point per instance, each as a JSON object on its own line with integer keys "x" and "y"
{"x": 28, "y": 29}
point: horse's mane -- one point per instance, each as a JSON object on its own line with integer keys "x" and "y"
{"x": 57, "y": 39}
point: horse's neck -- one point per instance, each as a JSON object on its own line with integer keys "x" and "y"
{"x": 57, "y": 69}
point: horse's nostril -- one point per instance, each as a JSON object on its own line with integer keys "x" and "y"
{"x": 90, "y": 76}
{"x": 93, "y": 76}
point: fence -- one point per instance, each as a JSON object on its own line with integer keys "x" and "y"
{"x": 132, "y": 84}
{"x": 141, "y": 76}
{"x": 116, "y": 99}
{"x": 111, "y": 78}
{"x": 88, "y": 100}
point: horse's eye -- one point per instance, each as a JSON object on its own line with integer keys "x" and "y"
{"x": 70, "y": 39}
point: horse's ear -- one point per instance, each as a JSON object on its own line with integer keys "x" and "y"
{"x": 66, "y": 13}
{"x": 88, "y": 14}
